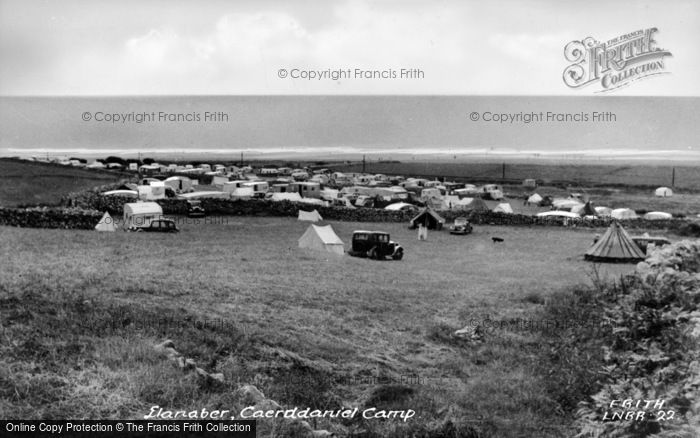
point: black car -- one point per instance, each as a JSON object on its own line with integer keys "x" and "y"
{"x": 375, "y": 245}
{"x": 461, "y": 226}
{"x": 195, "y": 209}
{"x": 159, "y": 226}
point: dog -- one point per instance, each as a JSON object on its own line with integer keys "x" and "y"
{"x": 497, "y": 239}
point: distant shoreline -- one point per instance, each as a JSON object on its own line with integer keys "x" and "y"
{"x": 595, "y": 157}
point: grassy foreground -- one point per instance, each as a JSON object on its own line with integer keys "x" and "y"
{"x": 81, "y": 312}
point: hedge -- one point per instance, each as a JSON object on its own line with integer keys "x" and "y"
{"x": 45, "y": 217}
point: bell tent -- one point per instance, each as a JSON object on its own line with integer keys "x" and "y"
{"x": 616, "y": 246}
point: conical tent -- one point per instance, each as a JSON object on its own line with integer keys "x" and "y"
{"x": 584, "y": 209}
{"x": 615, "y": 246}
{"x": 106, "y": 223}
{"x": 322, "y": 239}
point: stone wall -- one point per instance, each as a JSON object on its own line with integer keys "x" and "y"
{"x": 45, "y": 217}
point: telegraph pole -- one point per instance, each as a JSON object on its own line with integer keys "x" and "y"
{"x": 364, "y": 163}
{"x": 673, "y": 178}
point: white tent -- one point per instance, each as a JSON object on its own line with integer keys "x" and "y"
{"x": 602, "y": 211}
{"x": 311, "y": 216}
{"x": 503, "y": 208}
{"x": 534, "y": 199}
{"x": 127, "y": 193}
{"x": 557, "y": 213}
{"x": 140, "y": 214}
{"x": 663, "y": 192}
{"x": 202, "y": 195}
{"x": 623, "y": 213}
{"x": 657, "y": 215}
{"x": 322, "y": 239}
{"x": 106, "y": 223}
{"x": 398, "y": 206}
{"x": 291, "y": 197}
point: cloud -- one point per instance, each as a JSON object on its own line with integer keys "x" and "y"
{"x": 222, "y": 48}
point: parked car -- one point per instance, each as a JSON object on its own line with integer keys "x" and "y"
{"x": 195, "y": 209}
{"x": 461, "y": 226}
{"x": 158, "y": 226}
{"x": 375, "y": 245}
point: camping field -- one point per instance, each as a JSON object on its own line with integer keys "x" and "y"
{"x": 81, "y": 312}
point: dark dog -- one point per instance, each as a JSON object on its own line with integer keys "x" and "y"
{"x": 497, "y": 240}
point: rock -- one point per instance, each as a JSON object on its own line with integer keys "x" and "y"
{"x": 251, "y": 395}
{"x": 219, "y": 377}
{"x": 267, "y": 405}
{"x": 165, "y": 344}
{"x": 322, "y": 434}
{"x": 469, "y": 332}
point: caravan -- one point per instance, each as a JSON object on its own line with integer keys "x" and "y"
{"x": 140, "y": 214}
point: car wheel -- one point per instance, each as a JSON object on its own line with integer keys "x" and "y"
{"x": 398, "y": 255}
{"x": 372, "y": 253}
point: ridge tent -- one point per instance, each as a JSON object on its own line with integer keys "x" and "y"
{"x": 311, "y": 216}
{"x": 534, "y": 199}
{"x": 106, "y": 223}
{"x": 616, "y": 246}
{"x": 503, "y": 208}
{"x": 428, "y": 218}
{"x": 322, "y": 239}
{"x": 663, "y": 192}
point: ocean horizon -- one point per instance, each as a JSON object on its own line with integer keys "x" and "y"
{"x": 348, "y": 127}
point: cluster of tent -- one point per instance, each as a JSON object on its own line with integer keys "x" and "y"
{"x": 319, "y": 238}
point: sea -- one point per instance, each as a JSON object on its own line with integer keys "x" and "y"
{"x": 450, "y": 128}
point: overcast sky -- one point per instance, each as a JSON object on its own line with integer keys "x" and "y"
{"x": 96, "y": 47}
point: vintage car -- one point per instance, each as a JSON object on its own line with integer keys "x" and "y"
{"x": 195, "y": 209}
{"x": 375, "y": 245}
{"x": 157, "y": 226}
{"x": 461, "y": 226}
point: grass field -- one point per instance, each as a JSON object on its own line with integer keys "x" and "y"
{"x": 31, "y": 183}
{"x": 603, "y": 174}
{"x": 79, "y": 312}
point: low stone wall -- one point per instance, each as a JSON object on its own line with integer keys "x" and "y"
{"x": 45, "y": 217}
{"x": 93, "y": 200}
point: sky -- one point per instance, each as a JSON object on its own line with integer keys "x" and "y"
{"x": 155, "y": 47}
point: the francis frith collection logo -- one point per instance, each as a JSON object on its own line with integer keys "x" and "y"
{"x": 614, "y": 63}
